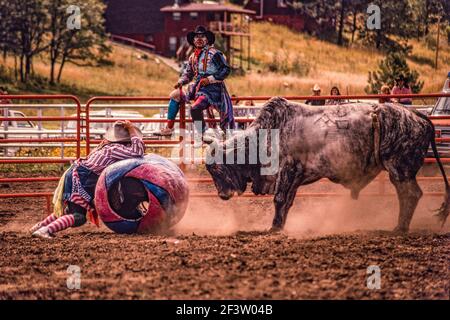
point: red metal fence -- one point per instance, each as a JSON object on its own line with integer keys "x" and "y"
{"x": 84, "y": 123}
{"x": 76, "y": 139}
{"x": 91, "y": 102}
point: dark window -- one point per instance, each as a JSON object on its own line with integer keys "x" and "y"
{"x": 194, "y": 15}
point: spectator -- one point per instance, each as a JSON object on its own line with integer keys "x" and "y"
{"x": 385, "y": 90}
{"x": 316, "y": 92}
{"x": 335, "y": 92}
{"x": 402, "y": 87}
{"x": 249, "y": 103}
{"x": 244, "y": 112}
{"x": 234, "y": 99}
{"x": 250, "y": 111}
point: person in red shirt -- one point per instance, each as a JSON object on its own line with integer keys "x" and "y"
{"x": 402, "y": 87}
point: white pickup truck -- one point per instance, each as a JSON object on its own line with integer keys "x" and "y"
{"x": 442, "y": 108}
{"x": 18, "y": 129}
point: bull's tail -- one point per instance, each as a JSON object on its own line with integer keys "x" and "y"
{"x": 443, "y": 212}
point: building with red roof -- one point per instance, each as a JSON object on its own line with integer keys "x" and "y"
{"x": 165, "y": 23}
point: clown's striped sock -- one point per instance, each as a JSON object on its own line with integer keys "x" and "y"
{"x": 61, "y": 223}
{"x": 48, "y": 220}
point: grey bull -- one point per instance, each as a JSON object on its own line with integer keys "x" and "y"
{"x": 350, "y": 144}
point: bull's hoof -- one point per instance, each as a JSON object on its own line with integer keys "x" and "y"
{"x": 276, "y": 229}
{"x": 400, "y": 231}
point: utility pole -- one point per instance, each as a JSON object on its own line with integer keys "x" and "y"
{"x": 437, "y": 44}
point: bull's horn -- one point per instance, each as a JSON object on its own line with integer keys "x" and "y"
{"x": 213, "y": 144}
{"x": 210, "y": 140}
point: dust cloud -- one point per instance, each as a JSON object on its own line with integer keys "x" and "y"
{"x": 308, "y": 217}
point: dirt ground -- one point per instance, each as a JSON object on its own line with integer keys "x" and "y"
{"x": 220, "y": 250}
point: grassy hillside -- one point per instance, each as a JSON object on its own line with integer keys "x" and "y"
{"x": 127, "y": 74}
{"x": 329, "y": 64}
{"x": 300, "y": 60}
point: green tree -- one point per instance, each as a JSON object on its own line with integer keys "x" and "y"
{"x": 23, "y": 31}
{"x": 396, "y": 20}
{"x": 30, "y": 27}
{"x": 331, "y": 16}
{"x": 5, "y": 27}
{"x": 357, "y": 10}
{"x": 58, "y": 31}
{"x": 426, "y": 13}
{"x": 388, "y": 69}
{"x": 79, "y": 46}
{"x": 323, "y": 12}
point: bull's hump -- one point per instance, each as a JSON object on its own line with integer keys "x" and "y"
{"x": 278, "y": 100}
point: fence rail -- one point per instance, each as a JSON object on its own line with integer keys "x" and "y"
{"x": 5, "y": 120}
{"x": 84, "y": 119}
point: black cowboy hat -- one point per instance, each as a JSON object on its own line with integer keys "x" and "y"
{"x": 201, "y": 30}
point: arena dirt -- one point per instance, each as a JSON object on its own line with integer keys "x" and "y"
{"x": 220, "y": 250}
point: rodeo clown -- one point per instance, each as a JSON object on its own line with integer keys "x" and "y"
{"x": 208, "y": 69}
{"x": 74, "y": 197}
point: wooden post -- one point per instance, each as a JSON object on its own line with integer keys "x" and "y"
{"x": 241, "y": 45}
{"x": 249, "y": 45}
{"x": 225, "y": 19}
{"x": 437, "y": 43}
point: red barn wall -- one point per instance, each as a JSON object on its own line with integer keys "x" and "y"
{"x": 180, "y": 28}
{"x": 279, "y": 15}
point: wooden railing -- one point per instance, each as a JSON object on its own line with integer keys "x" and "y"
{"x": 228, "y": 27}
{"x": 132, "y": 42}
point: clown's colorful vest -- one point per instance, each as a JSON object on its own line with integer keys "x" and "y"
{"x": 203, "y": 67}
